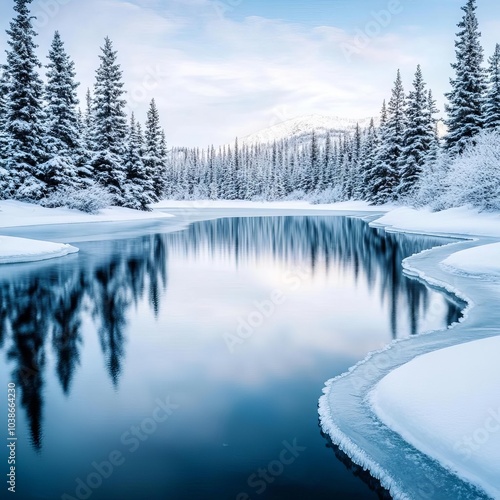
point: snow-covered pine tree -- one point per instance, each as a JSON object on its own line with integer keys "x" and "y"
{"x": 369, "y": 161}
{"x": 432, "y": 125}
{"x": 391, "y": 144}
{"x": 313, "y": 167}
{"x": 237, "y": 170}
{"x": 418, "y": 137}
{"x": 492, "y": 106}
{"x": 87, "y": 123}
{"x": 63, "y": 139}
{"x": 466, "y": 99}
{"x": 109, "y": 124}
{"x": 4, "y": 89}
{"x": 329, "y": 162}
{"x": 381, "y": 177}
{"x": 139, "y": 192}
{"x": 24, "y": 119}
{"x": 356, "y": 174}
{"x": 153, "y": 160}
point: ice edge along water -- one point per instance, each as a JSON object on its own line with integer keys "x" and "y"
{"x": 345, "y": 411}
{"x": 22, "y": 250}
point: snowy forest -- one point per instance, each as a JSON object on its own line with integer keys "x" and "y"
{"x": 54, "y": 153}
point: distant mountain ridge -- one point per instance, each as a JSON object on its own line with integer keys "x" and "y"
{"x": 302, "y": 128}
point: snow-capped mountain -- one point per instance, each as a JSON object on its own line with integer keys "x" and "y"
{"x": 302, "y": 127}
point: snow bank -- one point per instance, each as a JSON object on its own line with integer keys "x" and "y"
{"x": 15, "y": 250}
{"x": 16, "y": 214}
{"x": 456, "y": 221}
{"x": 481, "y": 262}
{"x": 446, "y": 404}
{"x": 437, "y": 394}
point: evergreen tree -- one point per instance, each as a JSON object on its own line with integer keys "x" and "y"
{"x": 418, "y": 136}
{"x": 153, "y": 155}
{"x": 109, "y": 125}
{"x": 432, "y": 124}
{"x": 139, "y": 192}
{"x": 383, "y": 176}
{"x": 466, "y": 99}
{"x": 4, "y": 89}
{"x": 369, "y": 162}
{"x": 63, "y": 137}
{"x": 24, "y": 124}
{"x": 492, "y": 107}
{"x": 313, "y": 167}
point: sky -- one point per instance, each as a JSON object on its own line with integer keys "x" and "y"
{"x": 225, "y": 68}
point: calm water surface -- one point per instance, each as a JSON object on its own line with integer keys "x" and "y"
{"x": 194, "y": 360}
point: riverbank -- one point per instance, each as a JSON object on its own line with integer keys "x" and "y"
{"x": 15, "y": 214}
{"x": 17, "y": 250}
{"x": 436, "y": 394}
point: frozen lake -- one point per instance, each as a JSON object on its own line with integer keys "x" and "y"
{"x": 188, "y": 364}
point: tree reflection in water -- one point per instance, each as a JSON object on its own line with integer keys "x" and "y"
{"x": 47, "y": 303}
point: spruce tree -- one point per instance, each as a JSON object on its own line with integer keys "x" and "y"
{"x": 4, "y": 89}
{"x": 492, "y": 107}
{"x": 385, "y": 175}
{"x": 24, "y": 123}
{"x": 418, "y": 136}
{"x": 63, "y": 134}
{"x": 139, "y": 192}
{"x": 109, "y": 125}
{"x": 153, "y": 160}
{"x": 369, "y": 162}
{"x": 466, "y": 99}
{"x": 394, "y": 140}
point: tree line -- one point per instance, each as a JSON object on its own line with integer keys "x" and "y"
{"x": 399, "y": 158}
{"x": 53, "y": 153}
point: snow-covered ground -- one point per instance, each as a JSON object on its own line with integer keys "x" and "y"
{"x": 455, "y": 221}
{"x": 446, "y": 404}
{"x": 15, "y": 250}
{"x": 481, "y": 262}
{"x": 16, "y": 213}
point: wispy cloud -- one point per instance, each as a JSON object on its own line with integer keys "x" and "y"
{"x": 216, "y": 75}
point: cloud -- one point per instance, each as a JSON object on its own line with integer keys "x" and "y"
{"x": 215, "y": 76}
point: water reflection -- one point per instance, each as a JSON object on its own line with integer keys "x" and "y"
{"x": 46, "y": 304}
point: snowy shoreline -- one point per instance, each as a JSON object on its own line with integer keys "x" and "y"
{"x": 18, "y": 250}
{"x": 355, "y": 404}
{"x": 15, "y": 214}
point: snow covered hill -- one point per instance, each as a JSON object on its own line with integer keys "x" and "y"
{"x": 302, "y": 127}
